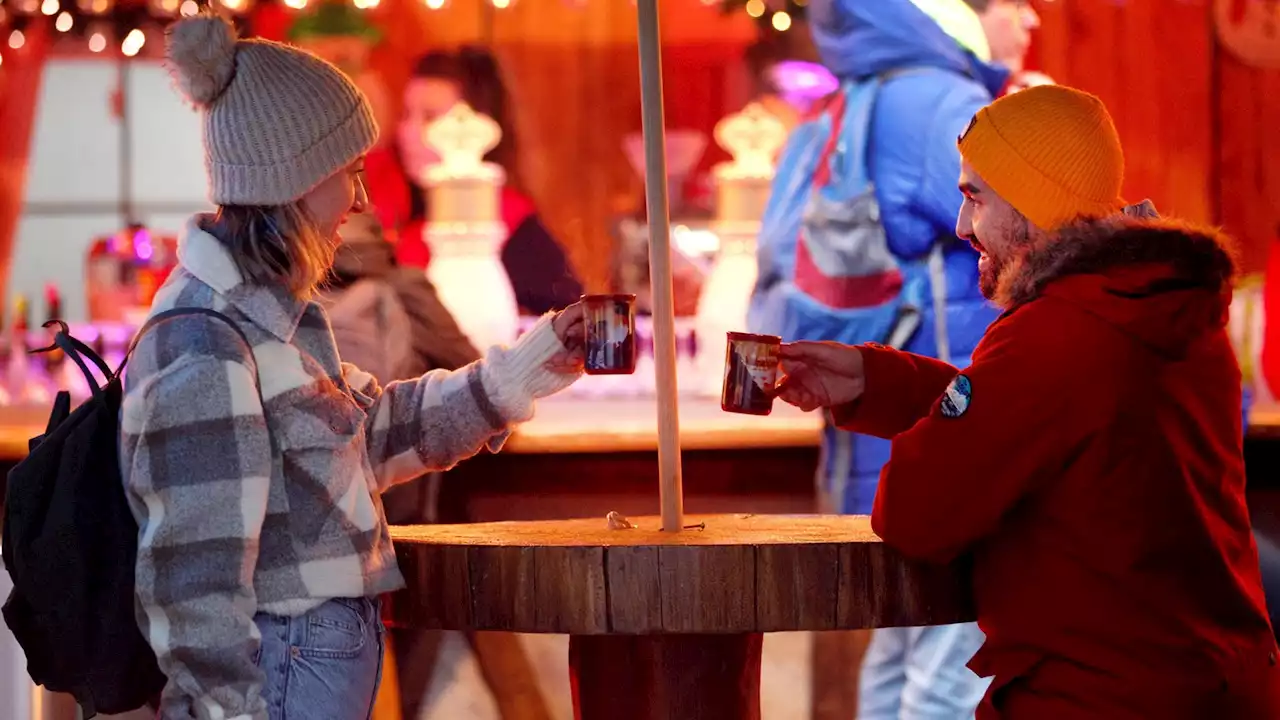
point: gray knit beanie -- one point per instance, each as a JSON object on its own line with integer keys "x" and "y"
{"x": 277, "y": 120}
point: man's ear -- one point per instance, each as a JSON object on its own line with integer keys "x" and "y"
{"x": 1145, "y": 210}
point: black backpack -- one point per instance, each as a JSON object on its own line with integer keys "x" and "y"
{"x": 70, "y": 544}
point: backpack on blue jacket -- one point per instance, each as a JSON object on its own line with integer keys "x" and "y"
{"x": 829, "y": 274}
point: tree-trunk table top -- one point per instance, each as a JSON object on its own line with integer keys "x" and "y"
{"x": 731, "y": 574}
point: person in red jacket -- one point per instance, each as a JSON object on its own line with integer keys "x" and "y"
{"x": 538, "y": 268}
{"x": 1089, "y": 460}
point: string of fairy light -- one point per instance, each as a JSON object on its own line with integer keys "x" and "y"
{"x": 103, "y": 24}
{"x": 124, "y": 25}
{"x": 778, "y": 15}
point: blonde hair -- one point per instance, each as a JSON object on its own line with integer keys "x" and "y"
{"x": 276, "y": 245}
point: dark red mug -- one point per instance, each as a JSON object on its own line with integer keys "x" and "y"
{"x": 610, "y": 329}
{"x": 750, "y": 373}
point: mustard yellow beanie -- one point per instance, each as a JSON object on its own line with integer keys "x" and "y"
{"x": 1050, "y": 151}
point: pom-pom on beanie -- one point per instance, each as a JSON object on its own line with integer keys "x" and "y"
{"x": 277, "y": 120}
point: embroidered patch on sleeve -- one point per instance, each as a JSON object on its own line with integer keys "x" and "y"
{"x": 955, "y": 401}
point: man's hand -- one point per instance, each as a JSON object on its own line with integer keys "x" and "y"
{"x": 820, "y": 374}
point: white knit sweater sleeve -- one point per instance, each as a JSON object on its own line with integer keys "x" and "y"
{"x": 434, "y": 421}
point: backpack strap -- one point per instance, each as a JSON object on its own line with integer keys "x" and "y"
{"x": 909, "y": 317}
{"x": 938, "y": 284}
{"x": 77, "y": 351}
{"x": 835, "y": 111}
{"x": 178, "y": 312}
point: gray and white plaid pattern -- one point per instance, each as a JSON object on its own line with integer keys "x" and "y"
{"x": 268, "y": 501}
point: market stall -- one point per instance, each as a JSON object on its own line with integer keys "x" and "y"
{"x": 658, "y": 442}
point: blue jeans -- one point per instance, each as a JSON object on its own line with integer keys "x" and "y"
{"x": 325, "y": 664}
{"x": 919, "y": 673}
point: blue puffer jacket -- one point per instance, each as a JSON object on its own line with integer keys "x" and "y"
{"x": 932, "y": 88}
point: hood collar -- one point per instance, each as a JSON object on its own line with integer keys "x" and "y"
{"x": 1163, "y": 282}
{"x": 858, "y": 39}
{"x": 271, "y": 307}
{"x": 960, "y": 22}
{"x": 1194, "y": 256}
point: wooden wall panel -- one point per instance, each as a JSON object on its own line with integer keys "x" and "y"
{"x": 572, "y": 68}
{"x": 573, "y": 71}
{"x": 1157, "y": 90}
{"x": 1199, "y": 126}
{"x": 1184, "y": 80}
{"x": 574, "y": 75}
{"x": 1248, "y": 111}
{"x": 573, "y": 161}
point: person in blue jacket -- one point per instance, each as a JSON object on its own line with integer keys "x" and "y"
{"x": 935, "y": 63}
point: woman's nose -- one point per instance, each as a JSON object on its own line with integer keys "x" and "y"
{"x": 361, "y": 200}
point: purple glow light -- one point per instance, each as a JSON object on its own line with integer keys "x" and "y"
{"x": 803, "y": 82}
{"x": 142, "y": 244}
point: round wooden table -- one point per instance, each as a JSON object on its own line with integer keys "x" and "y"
{"x": 668, "y": 625}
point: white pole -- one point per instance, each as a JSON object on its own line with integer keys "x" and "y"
{"x": 670, "y": 490}
{"x": 19, "y": 699}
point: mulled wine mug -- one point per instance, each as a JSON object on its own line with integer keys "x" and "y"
{"x": 750, "y": 373}
{"x": 610, "y": 334}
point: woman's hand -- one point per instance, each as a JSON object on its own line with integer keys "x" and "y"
{"x": 570, "y": 326}
{"x": 820, "y": 374}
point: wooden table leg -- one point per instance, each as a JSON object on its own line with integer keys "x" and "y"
{"x": 665, "y": 677}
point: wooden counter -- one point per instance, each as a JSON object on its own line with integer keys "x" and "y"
{"x": 581, "y": 457}
{"x": 17, "y": 426}
{"x": 1264, "y": 422}
{"x": 580, "y": 425}
{"x": 606, "y": 425}
{"x": 574, "y": 425}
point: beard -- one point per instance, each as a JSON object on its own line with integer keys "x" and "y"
{"x": 993, "y": 265}
{"x": 989, "y": 273}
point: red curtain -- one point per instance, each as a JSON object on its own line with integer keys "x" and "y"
{"x": 20, "y": 76}
{"x": 1271, "y": 307}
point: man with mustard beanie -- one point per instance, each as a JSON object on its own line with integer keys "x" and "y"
{"x": 868, "y": 181}
{"x": 1089, "y": 461}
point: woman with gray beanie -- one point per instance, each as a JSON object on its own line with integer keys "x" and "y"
{"x": 253, "y": 458}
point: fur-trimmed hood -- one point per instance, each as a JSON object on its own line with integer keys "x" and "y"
{"x": 1164, "y": 282}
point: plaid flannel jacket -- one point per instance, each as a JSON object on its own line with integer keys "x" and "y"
{"x": 255, "y": 475}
